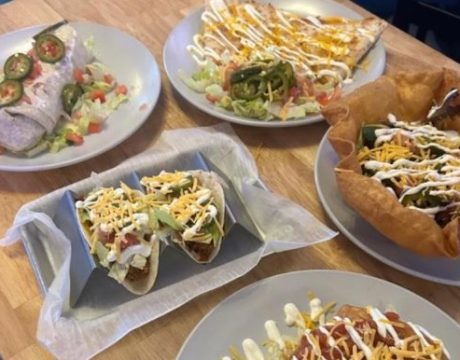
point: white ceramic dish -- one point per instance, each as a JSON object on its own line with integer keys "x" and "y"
{"x": 175, "y": 57}
{"x": 243, "y": 314}
{"x": 364, "y": 235}
{"x": 131, "y": 63}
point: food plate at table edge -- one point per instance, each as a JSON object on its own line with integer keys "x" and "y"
{"x": 293, "y": 287}
{"x": 141, "y": 77}
{"x": 176, "y": 57}
{"x": 366, "y": 237}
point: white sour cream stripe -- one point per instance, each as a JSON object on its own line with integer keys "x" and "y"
{"x": 257, "y": 32}
{"x": 438, "y": 177}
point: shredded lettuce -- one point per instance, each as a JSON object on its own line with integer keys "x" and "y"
{"x": 118, "y": 271}
{"x": 166, "y": 219}
{"x": 114, "y": 102}
{"x": 214, "y": 231}
{"x": 153, "y": 220}
{"x": 253, "y": 109}
{"x": 57, "y": 144}
{"x": 138, "y": 261}
{"x": 99, "y": 85}
{"x": 294, "y": 111}
{"x": 89, "y": 44}
{"x": 102, "y": 252}
{"x": 199, "y": 81}
{"x": 97, "y": 71}
{"x": 225, "y": 102}
{"x": 42, "y": 146}
{"x": 215, "y": 91}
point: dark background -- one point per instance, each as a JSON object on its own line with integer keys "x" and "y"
{"x": 435, "y": 22}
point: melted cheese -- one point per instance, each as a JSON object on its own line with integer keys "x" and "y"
{"x": 310, "y": 44}
{"x": 405, "y": 155}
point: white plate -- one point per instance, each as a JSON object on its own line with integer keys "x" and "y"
{"x": 243, "y": 314}
{"x": 175, "y": 57}
{"x": 130, "y": 62}
{"x": 364, "y": 235}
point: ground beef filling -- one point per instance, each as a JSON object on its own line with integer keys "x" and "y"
{"x": 201, "y": 251}
{"x": 135, "y": 274}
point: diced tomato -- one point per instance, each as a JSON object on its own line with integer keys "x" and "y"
{"x": 227, "y": 74}
{"x": 121, "y": 90}
{"x": 392, "y": 316}
{"x": 75, "y": 138}
{"x": 97, "y": 94}
{"x": 108, "y": 78}
{"x": 26, "y": 99}
{"x": 78, "y": 75}
{"x": 94, "y": 127}
{"x": 294, "y": 92}
{"x": 211, "y": 98}
{"x": 33, "y": 54}
{"x": 322, "y": 98}
{"x": 106, "y": 237}
{"x": 129, "y": 240}
{"x": 36, "y": 71}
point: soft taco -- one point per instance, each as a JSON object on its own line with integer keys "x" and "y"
{"x": 193, "y": 215}
{"x": 120, "y": 231}
{"x": 397, "y": 170}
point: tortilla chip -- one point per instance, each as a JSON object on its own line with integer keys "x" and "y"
{"x": 409, "y": 96}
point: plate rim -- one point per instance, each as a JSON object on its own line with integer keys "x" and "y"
{"x": 227, "y": 115}
{"x": 358, "y": 243}
{"x": 100, "y": 150}
{"x": 257, "y": 283}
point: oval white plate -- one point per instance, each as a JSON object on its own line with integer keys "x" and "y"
{"x": 243, "y": 314}
{"x": 130, "y": 62}
{"x": 175, "y": 57}
{"x": 364, "y": 235}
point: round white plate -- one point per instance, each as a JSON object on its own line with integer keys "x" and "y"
{"x": 175, "y": 57}
{"x": 364, "y": 235}
{"x": 243, "y": 314}
{"x": 130, "y": 62}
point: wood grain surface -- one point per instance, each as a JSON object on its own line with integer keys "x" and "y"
{"x": 285, "y": 158}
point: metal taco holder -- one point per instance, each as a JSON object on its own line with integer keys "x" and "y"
{"x": 89, "y": 283}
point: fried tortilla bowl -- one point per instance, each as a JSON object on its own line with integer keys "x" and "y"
{"x": 408, "y": 96}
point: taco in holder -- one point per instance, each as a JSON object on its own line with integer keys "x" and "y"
{"x": 397, "y": 170}
{"x": 120, "y": 230}
{"x": 193, "y": 215}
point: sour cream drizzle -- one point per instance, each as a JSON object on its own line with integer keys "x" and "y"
{"x": 383, "y": 324}
{"x": 258, "y": 33}
{"x": 440, "y": 175}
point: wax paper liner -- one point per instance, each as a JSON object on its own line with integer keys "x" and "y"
{"x": 83, "y": 332}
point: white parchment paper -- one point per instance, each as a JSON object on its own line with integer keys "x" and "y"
{"x": 83, "y": 333}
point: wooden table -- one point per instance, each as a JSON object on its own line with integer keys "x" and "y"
{"x": 285, "y": 158}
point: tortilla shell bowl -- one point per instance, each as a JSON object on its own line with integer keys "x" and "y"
{"x": 409, "y": 96}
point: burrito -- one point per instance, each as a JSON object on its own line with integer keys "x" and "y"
{"x": 192, "y": 213}
{"x": 120, "y": 231}
{"x": 30, "y": 94}
{"x": 397, "y": 170}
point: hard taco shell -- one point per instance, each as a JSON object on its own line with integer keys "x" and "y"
{"x": 210, "y": 181}
{"x": 143, "y": 285}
